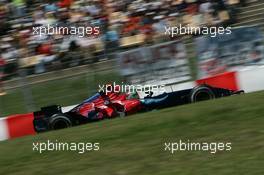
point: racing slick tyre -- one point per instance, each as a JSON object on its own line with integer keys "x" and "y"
{"x": 201, "y": 93}
{"x": 59, "y": 121}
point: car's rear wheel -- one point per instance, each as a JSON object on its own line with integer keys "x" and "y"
{"x": 201, "y": 93}
{"x": 59, "y": 121}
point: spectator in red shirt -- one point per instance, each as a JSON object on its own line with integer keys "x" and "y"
{"x": 45, "y": 49}
{"x": 65, "y": 3}
{"x": 192, "y": 8}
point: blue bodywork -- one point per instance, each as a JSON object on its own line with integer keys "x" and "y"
{"x": 167, "y": 99}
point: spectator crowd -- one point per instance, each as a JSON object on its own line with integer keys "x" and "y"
{"x": 123, "y": 24}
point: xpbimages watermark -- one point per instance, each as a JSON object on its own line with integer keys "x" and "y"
{"x": 79, "y": 31}
{"x": 80, "y": 147}
{"x": 190, "y": 30}
{"x": 126, "y": 88}
{"x": 212, "y": 147}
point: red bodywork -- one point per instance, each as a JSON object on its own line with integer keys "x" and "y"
{"x": 115, "y": 102}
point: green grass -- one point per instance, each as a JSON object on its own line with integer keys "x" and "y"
{"x": 64, "y": 92}
{"x": 135, "y": 145}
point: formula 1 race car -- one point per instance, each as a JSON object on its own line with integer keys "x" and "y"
{"x": 110, "y": 105}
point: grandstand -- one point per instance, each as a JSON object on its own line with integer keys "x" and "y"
{"x": 249, "y": 13}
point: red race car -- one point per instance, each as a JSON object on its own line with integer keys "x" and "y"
{"x": 112, "y": 104}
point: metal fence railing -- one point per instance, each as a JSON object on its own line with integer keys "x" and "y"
{"x": 69, "y": 90}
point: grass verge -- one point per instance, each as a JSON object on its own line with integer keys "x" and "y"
{"x": 135, "y": 145}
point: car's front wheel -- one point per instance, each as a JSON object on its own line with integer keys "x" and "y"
{"x": 201, "y": 93}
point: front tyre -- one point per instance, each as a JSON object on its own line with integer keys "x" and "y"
{"x": 59, "y": 121}
{"x": 201, "y": 93}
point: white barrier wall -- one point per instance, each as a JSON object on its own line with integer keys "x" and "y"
{"x": 251, "y": 80}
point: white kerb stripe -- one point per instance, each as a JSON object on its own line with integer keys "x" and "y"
{"x": 4, "y": 135}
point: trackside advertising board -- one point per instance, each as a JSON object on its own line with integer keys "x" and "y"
{"x": 242, "y": 48}
{"x": 160, "y": 64}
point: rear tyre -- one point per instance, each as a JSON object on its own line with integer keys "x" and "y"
{"x": 201, "y": 93}
{"x": 59, "y": 121}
